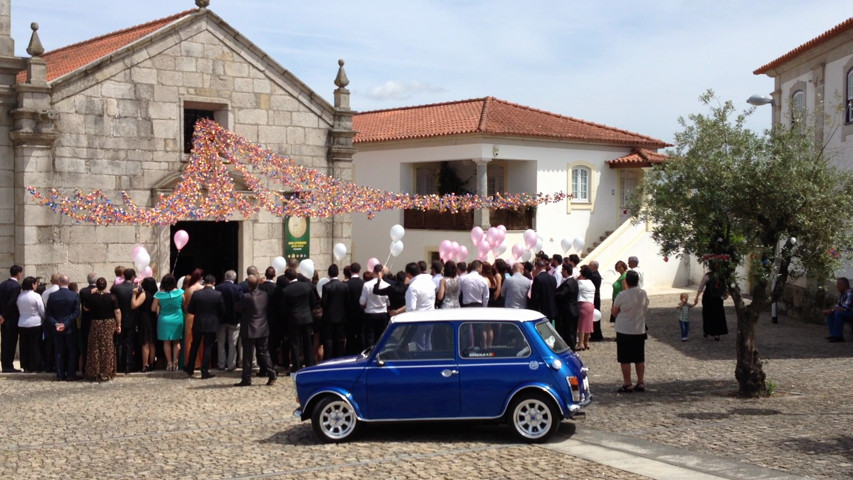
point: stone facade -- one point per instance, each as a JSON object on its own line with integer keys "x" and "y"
{"x": 118, "y": 125}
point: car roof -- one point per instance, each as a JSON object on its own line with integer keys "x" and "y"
{"x": 469, "y": 314}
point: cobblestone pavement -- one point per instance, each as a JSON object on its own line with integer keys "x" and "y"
{"x": 167, "y": 426}
{"x": 690, "y": 402}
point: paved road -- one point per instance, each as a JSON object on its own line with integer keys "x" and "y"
{"x": 687, "y": 424}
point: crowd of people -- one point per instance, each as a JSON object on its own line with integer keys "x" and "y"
{"x": 283, "y": 321}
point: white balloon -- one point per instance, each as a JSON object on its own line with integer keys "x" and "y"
{"x": 596, "y": 315}
{"x": 396, "y": 248}
{"x": 397, "y": 232}
{"x": 279, "y": 264}
{"x": 141, "y": 261}
{"x": 526, "y": 256}
{"x": 539, "y": 243}
{"x": 500, "y": 250}
{"x": 340, "y": 251}
{"x": 578, "y": 244}
{"x": 306, "y": 268}
{"x": 320, "y": 284}
{"x": 566, "y": 244}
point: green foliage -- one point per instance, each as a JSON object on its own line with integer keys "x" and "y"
{"x": 770, "y": 387}
{"x": 728, "y": 191}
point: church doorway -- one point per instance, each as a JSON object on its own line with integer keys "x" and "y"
{"x": 212, "y": 247}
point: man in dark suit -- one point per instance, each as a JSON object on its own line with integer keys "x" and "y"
{"x": 61, "y": 312}
{"x": 208, "y": 309}
{"x": 543, "y": 291}
{"x": 269, "y": 286}
{"x": 86, "y": 320}
{"x": 9, "y": 291}
{"x": 596, "y": 336}
{"x": 298, "y": 302}
{"x": 567, "y": 306}
{"x": 254, "y": 331}
{"x": 126, "y": 341}
{"x": 335, "y": 301}
{"x": 229, "y": 329}
{"x": 354, "y": 311}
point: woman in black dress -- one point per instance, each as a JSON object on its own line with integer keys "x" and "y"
{"x": 713, "y": 291}
{"x": 143, "y": 296}
{"x": 106, "y": 322}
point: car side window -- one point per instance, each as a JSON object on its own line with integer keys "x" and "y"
{"x": 419, "y": 341}
{"x": 492, "y": 340}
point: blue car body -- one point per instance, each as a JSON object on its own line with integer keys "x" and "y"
{"x": 455, "y": 364}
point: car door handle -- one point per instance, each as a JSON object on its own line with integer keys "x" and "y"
{"x": 447, "y": 373}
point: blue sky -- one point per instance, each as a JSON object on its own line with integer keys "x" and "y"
{"x": 635, "y": 65}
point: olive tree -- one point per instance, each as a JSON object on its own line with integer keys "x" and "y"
{"x": 771, "y": 203}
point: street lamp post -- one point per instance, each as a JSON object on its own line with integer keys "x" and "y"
{"x": 759, "y": 100}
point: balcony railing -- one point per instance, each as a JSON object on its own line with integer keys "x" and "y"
{"x": 432, "y": 220}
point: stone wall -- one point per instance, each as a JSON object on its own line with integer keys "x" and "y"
{"x": 121, "y": 128}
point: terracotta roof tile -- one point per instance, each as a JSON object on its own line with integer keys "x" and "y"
{"x": 486, "y": 116}
{"x": 822, "y": 38}
{"x": 638, "y": 158}
{"x": 68, "y": 59}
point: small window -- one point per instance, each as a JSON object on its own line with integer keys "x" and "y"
{"x": 192, "y": 115}
{"x": 798, "y": 105}
{"x": 492, "y": 340}
{"x": 419, "y": 341}
{"x": 425, "y": 180}
{"x": 581, "y": 184}
{"x": 849, "y": 108}
{"x": 550, "y": 336}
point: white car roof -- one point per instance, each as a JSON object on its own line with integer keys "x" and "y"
{"x": 470, "y": 314}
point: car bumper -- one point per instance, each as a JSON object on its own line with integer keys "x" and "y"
{"x": 574, "y": 408}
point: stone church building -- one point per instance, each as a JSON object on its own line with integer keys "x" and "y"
{"x": 116, "y": 112}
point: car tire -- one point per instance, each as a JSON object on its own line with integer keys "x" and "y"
{"x": 334, "y": 420}
{"x": 533, "y": 417}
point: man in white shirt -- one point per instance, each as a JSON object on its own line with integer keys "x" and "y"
{"x": 375, "y": 309}
{"x": 437, "y": 268}
{"x": 474, "y": 288}
{"x": 557, "y": 268}
{"x": 421, "y": 292}
{"x": 633, "y": 263}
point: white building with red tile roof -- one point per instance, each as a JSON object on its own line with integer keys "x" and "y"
{"x": 495, "y": 146}
{"x": 817, "y": 78}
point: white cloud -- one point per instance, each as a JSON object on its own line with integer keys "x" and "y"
{"x": 395, "y": 90}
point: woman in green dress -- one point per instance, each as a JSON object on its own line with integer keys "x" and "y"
{"x": 170, "y": 319}
{"x": 619, "y": 285}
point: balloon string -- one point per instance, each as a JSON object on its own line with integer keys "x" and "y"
{"x": 176, "y": 262}
{"x": 387, "y": 260}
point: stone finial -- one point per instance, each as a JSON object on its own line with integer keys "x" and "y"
{"x": 202, "y": 4}
{"x": 35, "y": 49}
{"x": 341, "y": 81}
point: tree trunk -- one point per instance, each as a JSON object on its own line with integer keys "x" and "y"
{"x": 748, "y": 371}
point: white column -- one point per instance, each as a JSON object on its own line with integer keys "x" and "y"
{"x": 481, "y": 215}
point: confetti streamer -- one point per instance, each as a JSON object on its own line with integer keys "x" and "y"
{"x": 206, "y": 190}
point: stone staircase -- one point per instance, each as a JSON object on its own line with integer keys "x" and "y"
{"x": 602, "y": 238}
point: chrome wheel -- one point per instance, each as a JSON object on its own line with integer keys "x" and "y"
{"x": 334, "y": 420}
{"x": 533, "y": 417}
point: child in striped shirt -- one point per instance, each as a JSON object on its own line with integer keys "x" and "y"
{"x": 684, "y": 315}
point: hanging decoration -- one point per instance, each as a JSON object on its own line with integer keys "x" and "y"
{"x": 206, "y": 190}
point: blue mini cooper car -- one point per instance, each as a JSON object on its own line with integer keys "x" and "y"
{"x": 455, "y": 364}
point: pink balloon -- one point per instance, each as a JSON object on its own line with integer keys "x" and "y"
{"x": 517, "y": 250}
{"x": 181, "y": 239}
{"x": 503, "y": 230}
{"x": 530, "y": 238}
{"x": 483, "y": 250}
{"x": 147, "y": 272}
{"x": 443, "y": 248}
{"x": 492, "y": 236}
{"x": 372, "y": 263}
{"x": 461, "y": 253}
{"x": 136, "y": 250}
{"x": 476, "y": 235}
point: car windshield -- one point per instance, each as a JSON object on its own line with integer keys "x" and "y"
{"x": 550, "y": 336}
